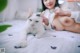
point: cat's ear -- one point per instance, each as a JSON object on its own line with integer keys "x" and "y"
{"x": 30, "y": 13}
{"x": 42, "y": 13}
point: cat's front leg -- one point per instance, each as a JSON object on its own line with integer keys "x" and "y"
{"x": 22, "y": 41}
{"x": 21, "y": 44}
{"x": 40, "y": 33}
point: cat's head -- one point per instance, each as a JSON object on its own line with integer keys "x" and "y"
{"x": 35, "y": 19}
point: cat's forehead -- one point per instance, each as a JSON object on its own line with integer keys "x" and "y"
{"x": 35, "y": 16}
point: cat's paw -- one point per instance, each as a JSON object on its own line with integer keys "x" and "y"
{"x": 21, "y": 45}
{"x": 38, "y": 36}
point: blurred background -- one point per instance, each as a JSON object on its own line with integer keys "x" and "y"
{"x": 20, "y": 6}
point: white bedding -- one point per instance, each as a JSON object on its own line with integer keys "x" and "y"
{"x": 52, "y": 41}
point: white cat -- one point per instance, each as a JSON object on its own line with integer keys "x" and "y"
{"x": 33, "y": 25}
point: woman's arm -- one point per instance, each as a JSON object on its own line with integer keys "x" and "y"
{"x": 65, "y": 13}
{"x": 76, "y": 16}
{"x": 61, "y": 12}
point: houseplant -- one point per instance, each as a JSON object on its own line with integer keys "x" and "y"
{"x": 3, "y": 4}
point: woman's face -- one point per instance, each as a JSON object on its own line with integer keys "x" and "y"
{"x": 49, "y": 3}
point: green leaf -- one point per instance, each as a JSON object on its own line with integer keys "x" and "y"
{"x": 3, "y": 4}
{"x": 4, "y": 27}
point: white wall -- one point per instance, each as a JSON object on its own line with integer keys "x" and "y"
{"x": 16, "y": 5}
{"x": 8, "y": 13}
{"x": 26, "y": 4}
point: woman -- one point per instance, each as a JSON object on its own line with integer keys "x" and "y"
{"x": 53, "y": 16}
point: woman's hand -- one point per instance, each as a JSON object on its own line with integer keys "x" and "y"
{"x": 45, "y": 20}
{"x": 57, "y": 11}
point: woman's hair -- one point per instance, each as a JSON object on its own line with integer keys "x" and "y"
{"x": 44, "y": 7}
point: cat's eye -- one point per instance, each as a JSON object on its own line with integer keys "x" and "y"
{"x": 30, "y": 19}
{"x": 38, "y": 15}
{"x": 36, "y": 21}
{"x": 45, "y": 0}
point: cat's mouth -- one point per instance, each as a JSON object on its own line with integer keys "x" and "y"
{"x": 33, "y": 25}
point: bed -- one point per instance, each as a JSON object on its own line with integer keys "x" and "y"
{"x": 52, "y": 42}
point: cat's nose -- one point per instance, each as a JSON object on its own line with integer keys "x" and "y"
{"x": 32, "y": 24}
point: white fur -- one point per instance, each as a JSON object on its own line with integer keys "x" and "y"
{"x": 33, "y": 25}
